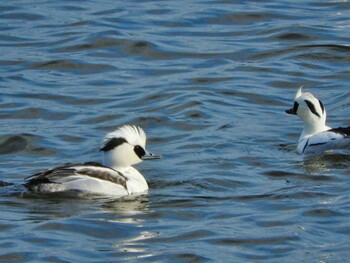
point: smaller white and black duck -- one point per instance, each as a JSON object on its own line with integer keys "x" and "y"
{"x": 317, "y": 137}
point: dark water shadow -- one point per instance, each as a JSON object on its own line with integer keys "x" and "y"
{"x": 26, "y": 143}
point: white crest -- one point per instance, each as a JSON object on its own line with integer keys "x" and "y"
{"x": 299, "y": 92}
{"x": 134, "y": 135}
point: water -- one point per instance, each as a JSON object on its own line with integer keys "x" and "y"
{"x": 209, "y": 82}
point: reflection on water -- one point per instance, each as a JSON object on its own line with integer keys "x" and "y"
{"x": 127, "y": 206}
{"x": 327, "y": 163}
{"x": 209, "y": 84}
{"x": 135, "y": 245}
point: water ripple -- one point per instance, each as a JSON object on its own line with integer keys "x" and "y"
{"x": 209, "y": 84}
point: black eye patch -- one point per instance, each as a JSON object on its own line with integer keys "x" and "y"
{"x": 112, "y": 143}
{"x": 312, "y": 108}
{"x": 139, "y": 151}
{"x": 295, "y": 107}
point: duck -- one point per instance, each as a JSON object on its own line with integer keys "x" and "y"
{"x": 316, "y": 137}
{"x": 116, "y": 176}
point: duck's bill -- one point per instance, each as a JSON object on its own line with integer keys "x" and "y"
{"x": 291, "y": 111}
{"x": 151, "y": 156}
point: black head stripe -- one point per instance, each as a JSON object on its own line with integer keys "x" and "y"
{"x": 322, "y": 107}
{"x": 312, "y": 107}
{"x": 112, "y": 143}
{"x": 139, "y": 151}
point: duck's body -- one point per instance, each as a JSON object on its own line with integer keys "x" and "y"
{"x": 332, "y": 139}
{"x": 316, "y": 136}
{"x": 122, "y": 148}
{"x": 88, "y": 177}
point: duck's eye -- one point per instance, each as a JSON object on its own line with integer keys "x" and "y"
{"x": 139, "y": 151}
{"x": 295, "y": 107}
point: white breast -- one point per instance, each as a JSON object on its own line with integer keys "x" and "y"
{"x": 136, "y": 183}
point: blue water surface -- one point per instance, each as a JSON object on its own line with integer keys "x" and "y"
{"x": 209, "y": 82}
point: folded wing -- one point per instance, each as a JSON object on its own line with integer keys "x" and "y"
{"x": 73, "y": 175}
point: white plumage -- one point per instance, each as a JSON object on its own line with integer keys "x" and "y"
{"x": 121, "y": 148}
{"x": 316, "y": 136}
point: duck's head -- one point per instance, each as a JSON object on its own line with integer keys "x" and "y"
{"x": 126, "y": 146}
{"x": 310, "y": 110}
